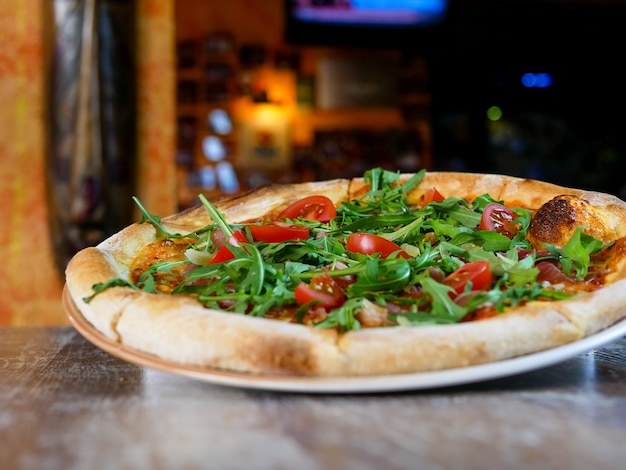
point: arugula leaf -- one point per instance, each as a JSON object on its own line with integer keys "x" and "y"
{"x": 575, "y": 255}
{"x": 488, "y": 240}
{"x": 520, "y": 273}
{"x": 406, "y": 233}
{"x": 147, "y": 280}
{"x": 457, "y": 209}
{"x": 482, "y": 201}
{"x": 255, "y": 271}
{"x": 503, "y": 298}
{"x": 377, "y": 222}
{"x": 442, "y": 304}
{"x": 344, "y": 317}
{"x": 381, "y": 275}
{"x": 102, "y": 286}
{"x": 386, "y": 194}
{"x": 442, "y": 236}
{"x": 216, "y": 216}
{"x": 155, "y": 220}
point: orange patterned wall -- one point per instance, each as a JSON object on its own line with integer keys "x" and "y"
{"x": 30, "y": 287}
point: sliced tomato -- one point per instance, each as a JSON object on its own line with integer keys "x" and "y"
{"x": 224, "y": 253}
{"x": 432, "y": 195}
{"x": 323, "y": 289}
{"x": 476, "y": 272}
{"x": 369, "y": 244}
{"x": 274, "y": 233}
{"x": 320, "y": 208}
{"x": 499, "y": 218}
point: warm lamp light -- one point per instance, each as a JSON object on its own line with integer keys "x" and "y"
{"x": 268, "y": 113}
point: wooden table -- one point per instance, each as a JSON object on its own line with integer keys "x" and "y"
{"x": 65, "y": 404}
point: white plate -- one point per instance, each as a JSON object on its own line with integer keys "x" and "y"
{"x": 381, "y": 383}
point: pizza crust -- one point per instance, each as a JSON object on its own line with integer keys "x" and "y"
{"x": 179, "y": 329}
{"x": 183, "y": 331}
{"x": 265, "y": 200}
{"x": 593, "y": 313}
{"x": 428, "y": 348}
{"x": 187, "y": 333}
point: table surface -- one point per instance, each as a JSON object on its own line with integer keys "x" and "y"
{"x": 65, "y": 404}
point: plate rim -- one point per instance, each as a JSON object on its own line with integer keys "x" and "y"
{"x": 361, "y": 384}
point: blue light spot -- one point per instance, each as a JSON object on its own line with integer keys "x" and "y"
{"x": 213, "y": 148}
{"x": 207, "y": 177}
{"x": 528, "y": 80}
{"x": 536, "y": 80}
{"x": 220, "y": 122}
{"x": 227, "y": 177}
{"x": 543, "y": 80}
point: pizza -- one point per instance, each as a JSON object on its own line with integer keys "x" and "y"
{"x": 388, "y": 273}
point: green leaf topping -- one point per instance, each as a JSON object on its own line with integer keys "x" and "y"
{"x": 262, "y": 277}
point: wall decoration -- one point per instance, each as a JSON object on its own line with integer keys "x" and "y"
{"x": 356, "y": 82}
{"x": 265, "y": 140}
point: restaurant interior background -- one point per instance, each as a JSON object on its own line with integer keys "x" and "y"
{"x": 232, "y": 95}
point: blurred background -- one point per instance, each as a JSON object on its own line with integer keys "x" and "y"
{"x": 166, "y": 99}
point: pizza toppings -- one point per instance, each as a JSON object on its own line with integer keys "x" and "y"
{"x": 556, "y": 221}
{"x": 378, "y": 260}
{"x": 225, "y": 252}
{"x": 472, "y": 276}
{"x": 322, "y": 290}
{"x": 431, "y": 195}
{"x": 370, "y": 244}
{"x": 168, "y": 251}
{"x": 276, "y": 233}
{"x": 499, "y": 218}
{"x": 315, "y": 207}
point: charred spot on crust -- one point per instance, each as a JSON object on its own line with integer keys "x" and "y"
{"x": 552, "y": 219}
{"x": 556, "y": 221}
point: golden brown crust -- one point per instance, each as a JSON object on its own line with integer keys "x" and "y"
{"x": 253, "y": 204}
{"x": 533, "y": 328}
{"x": 556, "y": 221}
{"x": 183, "y": 331}
{"x": 179, "y": 329}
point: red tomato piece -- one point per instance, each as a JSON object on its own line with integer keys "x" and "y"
{"x": 369, "y": 244}
{"x": 476, "y": 272}
{"x": 224, "y": 253}
{"x": 274, "y": 233}
{"x": 323, "y": 289}
{"x": 432, "y": 195}
{"x": 319, "y": 208}
{"x": 499, "y": 218}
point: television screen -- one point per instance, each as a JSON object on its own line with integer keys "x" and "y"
{"x": 361, "y": 22}
{"x": 381, "y": 13}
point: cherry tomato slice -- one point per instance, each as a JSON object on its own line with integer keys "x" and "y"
{"x": 323, "y": 288}
{"x": 224, "y": 253}
{"x": 319, "y": 208}
{"x": 274, "y": 233}
{"x": 369, "y": 244}
{"x": 432, "y": 195}
{"x": 476, "y": 272}
{"x": 499, "y": 218}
